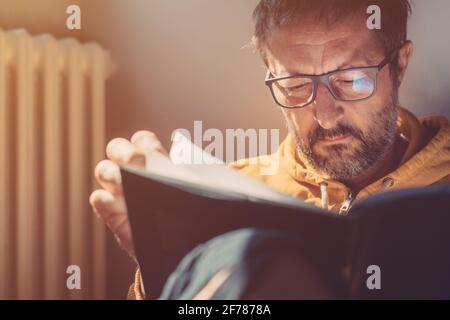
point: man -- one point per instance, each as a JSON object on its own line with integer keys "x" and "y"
{"x": 336, "y": 83}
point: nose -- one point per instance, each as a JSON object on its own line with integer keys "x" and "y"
{"x": 327, "y": 111}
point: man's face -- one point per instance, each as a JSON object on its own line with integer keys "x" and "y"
{"x": 339, "y": 139}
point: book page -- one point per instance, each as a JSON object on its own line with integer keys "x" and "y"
{"x": 189, "y": 162}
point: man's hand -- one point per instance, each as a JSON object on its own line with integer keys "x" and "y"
{"x": 109, "y": 202}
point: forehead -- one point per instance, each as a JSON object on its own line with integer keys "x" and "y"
{"x": 313, "y": 48}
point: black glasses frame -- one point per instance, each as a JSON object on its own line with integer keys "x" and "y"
{"x": 325, "y": 79}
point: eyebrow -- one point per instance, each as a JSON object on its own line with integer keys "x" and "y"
{"x": 358, "y": 55}
{"x": 345, "y": 65}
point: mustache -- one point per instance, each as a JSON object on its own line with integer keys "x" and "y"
{"x": 339, "y": 130}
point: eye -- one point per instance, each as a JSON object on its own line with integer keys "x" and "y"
{"x": 350, "y": 79}
{"x": 347, "y": 82}
{"x": 297, "y": 87}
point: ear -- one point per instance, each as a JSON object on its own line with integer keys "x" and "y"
{"x": 404, "y": 55}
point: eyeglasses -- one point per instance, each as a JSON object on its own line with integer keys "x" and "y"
{"x": 354, "y": 84}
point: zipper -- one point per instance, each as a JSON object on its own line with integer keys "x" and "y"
{"x": 347, "y": 204}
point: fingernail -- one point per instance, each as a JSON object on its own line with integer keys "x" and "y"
{"x": 110, "y": 174}
{"x": 143, "y": 142}
{"x": 122, "y": 151}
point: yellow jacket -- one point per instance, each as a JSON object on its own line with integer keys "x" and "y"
{"x": 423, "y": 152}
{"x": 422, "y": 149}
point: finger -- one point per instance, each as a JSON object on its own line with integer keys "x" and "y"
{"x": 147, "y": 141}
{"x": 113, "y": 211}
{"x": 107, "y": 206}
{"x": 108, "y": 176}
{"x": 122, "y": 152}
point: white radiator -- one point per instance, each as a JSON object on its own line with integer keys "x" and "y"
{"x": 52, "y": 132}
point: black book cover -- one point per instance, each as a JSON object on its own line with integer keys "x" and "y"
{"x": 406, "y": 233}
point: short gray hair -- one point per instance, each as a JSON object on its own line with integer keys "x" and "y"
{"x": 270, "y": 15}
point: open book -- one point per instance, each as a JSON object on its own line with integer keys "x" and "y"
{"x": 175, "y": 207}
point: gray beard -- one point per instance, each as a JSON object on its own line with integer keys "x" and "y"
{"x": 374, "y": 146}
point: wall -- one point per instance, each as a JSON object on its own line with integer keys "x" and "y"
{"x": 178, "y": 64}
{"x": 426, "y": 87}
{"x": 43, "y": 16}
